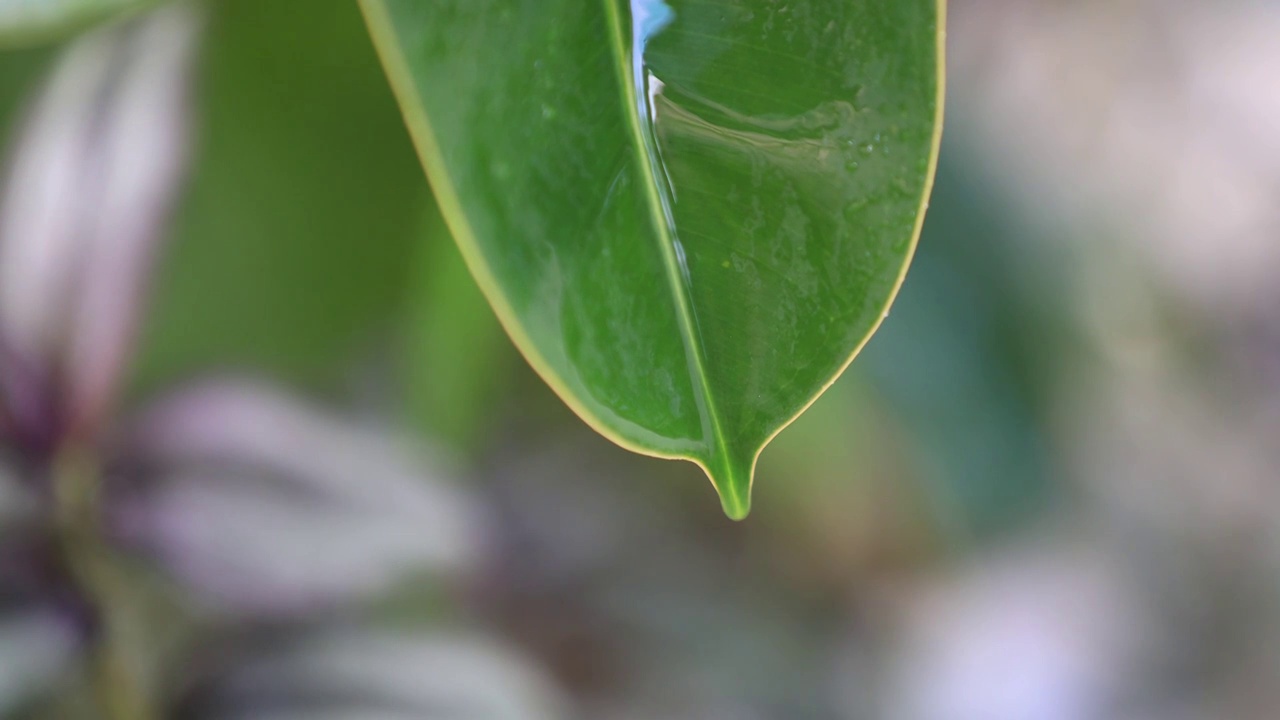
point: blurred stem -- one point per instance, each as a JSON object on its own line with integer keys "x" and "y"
{"x": 117, "y": 688}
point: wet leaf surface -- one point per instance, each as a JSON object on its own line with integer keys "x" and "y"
{"x": 689, "y": 215}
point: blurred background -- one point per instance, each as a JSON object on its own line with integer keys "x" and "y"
{"x": 1047, "y": 490}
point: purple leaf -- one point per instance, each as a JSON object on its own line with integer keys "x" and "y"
{"x": 263, "y": 505}
{"x": 90, "y": 184}
{"x": 346, "y": 672}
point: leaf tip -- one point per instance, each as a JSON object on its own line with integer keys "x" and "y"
{"x": 737, "y": 507}
{"x": 735, "y": 495}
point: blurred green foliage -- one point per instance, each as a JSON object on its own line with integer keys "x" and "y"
{"x": 20, "y": 72}
{"x": 295, "y": 243}
{"x": 960, "y": 358}
{"x": 457, "y": 360}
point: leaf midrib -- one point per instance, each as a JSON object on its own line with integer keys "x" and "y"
{"x": 647, "y": 158}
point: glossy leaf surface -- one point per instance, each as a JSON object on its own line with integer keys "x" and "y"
{"x": 689, "y": 214}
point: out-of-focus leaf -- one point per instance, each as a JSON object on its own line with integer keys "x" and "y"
{"x": 24, "y": 21}
{"x": 349, "y": 673}
{"x": 458, "y": 357}
{"x": 21, "y": 70}
{"x": 294, "y": 246}
{"x": 35, "y": 647}
{"x": 86, "y": 199}
{"x": 45, "y": 619}
{"x": 688, "y": 215}
{"x": 261, "y": 504}
{"x": 963, "y": 367}
{"x": 1070, "y": 621}
{"x": 17, "y": 503}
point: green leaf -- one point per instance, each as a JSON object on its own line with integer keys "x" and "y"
{"x": 689, "y": 215}
{"x": 27, "y": 21}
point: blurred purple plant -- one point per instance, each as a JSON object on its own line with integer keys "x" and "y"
{"x": 258, "y": 507}
{"x": 343, "y": 672}
{"x": 91, "y": 178}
